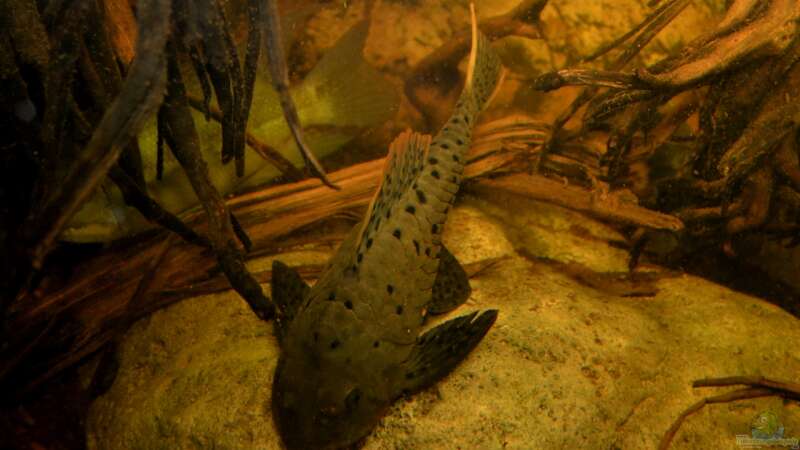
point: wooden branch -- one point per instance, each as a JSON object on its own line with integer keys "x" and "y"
{"x": 607, "y": 207}
{"x": 121, "y": 27}
{"x": 99, "y": 289}
{"x": 140, "y": 95}
{"x": 739, "y": 394}
{"x": 222, "y": 233}
{"x": 266, "y": 152}
{"x": 756, "y": 386}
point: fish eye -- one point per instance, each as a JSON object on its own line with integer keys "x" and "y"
{"x": 352, "y": 399}
{"x": 324, "y": 419}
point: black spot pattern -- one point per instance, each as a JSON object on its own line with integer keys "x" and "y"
{"x": 424, "y": 197}
{"x": 406, "y": 159}
{"x": 335, "y": 344}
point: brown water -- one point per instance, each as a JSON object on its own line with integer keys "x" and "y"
{"x": 602, "y": 202}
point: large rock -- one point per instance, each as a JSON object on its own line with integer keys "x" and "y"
{"x": 565, "y": 366}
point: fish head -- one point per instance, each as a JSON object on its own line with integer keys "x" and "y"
{"x": 320, "y": 403}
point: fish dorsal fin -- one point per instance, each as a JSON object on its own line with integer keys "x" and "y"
{"x": 405, "y": 160}
{"x": 288, "y": 293}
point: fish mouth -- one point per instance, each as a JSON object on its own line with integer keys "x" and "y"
{"x": 312, "y": 441}
{"x": 300, "y": 432}
{"x": 314, "y": 435}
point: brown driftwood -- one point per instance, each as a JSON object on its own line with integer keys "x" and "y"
{"x": 121, "y": 27}
{"x": 756, "y": 386}
{"x": 605, "y": 206}
{"x": 95, "y": 296}
{"x": 269, "y": 154}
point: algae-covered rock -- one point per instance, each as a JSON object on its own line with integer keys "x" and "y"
{"x": 565, "y": 366}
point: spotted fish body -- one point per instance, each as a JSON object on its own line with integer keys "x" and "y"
{"x": 351, "y": 345}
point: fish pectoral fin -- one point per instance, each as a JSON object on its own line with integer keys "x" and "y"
{"x": 288, "y": 292}
{"x": 451, "y": 287}
{"x": 440, "y": 350}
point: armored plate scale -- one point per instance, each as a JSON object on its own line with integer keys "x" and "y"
{"x": 351, "y": 344}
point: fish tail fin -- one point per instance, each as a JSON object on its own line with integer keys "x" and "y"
{"x": 343, "y": 90}
{"x": 484, "y": 71}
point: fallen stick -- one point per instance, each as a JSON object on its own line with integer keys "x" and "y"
{"x": 609, "y": 206}
{"x": 97, "y": 291}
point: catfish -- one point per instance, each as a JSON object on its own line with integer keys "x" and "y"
{"x": 351, "y": 344}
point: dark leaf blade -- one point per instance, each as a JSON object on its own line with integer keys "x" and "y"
{"x": 280, "y": 81}
{"x": 141, "y": 93}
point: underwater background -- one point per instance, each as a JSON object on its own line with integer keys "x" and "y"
{"x": 630, "y": 205}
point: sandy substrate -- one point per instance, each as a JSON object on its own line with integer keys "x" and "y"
{"x": 574, "y": 361}
{"x": 565, "y": 366}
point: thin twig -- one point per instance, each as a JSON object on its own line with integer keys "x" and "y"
{"x": 739, "y": 394}
{"x": 757, "y": 386}
{"x": 585, "y": 77}
{"x": 140, "y": 94}
{"x": 254, "y": 22}
{"x": 269, "y": 154}
{"x": 151, "y": 210}
{"x": 276, "y": 61}
{"x": 655, "y": 23}
{"x": 184, "y": 142}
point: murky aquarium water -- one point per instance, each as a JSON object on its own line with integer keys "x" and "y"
{"x": 400, "y": 224}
